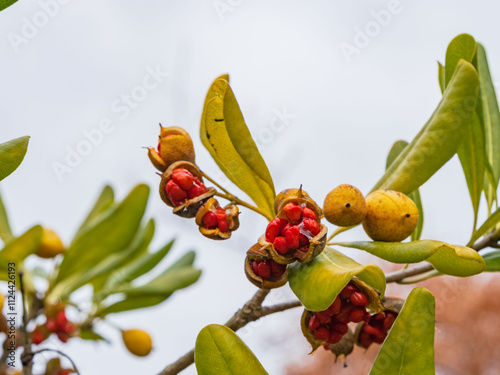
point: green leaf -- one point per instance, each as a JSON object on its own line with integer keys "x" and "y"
{"x": 396, "y": 149}
{"x": 452, "y": 260}
{"x": 488, "y": 225}
{"x": 471, "y": 151}
{"x": 12, "y": 152}
{"x": 492, "y": 261}
{"x": 179, "y": 275}
{"x": 6, "y": 3}
{"x": 439, "y": 139}
{"x": 219, "y": 351}
{"x": 317, "y": 283}
{"x": 225, "y": 135}
{"x": 87, "y": 334}
{"x": 111, "y": 234}
{"x": 5, "y": 231}
{"x": 141, "y": 266}
{"x": 489, "y": 114}
{"x": 441, "y": 76}
{"x": 409, "y": 347}
{"x": 102, "y": 204}
{"x": 21, "y": 247}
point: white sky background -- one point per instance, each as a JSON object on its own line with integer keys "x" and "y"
{"x": 280, "y": 55}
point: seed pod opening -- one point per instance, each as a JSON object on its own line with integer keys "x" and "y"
{"x": 262, "y": 271}
{"x": 215, "y": 222}
{"x": 186, "y": 202}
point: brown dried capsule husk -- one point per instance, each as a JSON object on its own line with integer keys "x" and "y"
{"x": 394, "y": 304}
{"x": 191, "y": 207}
{"x": 374, "y": 301}
{"x": 232, "y": 213}
{"x": 176, "y": 145}
{"x": 316, "y": 246}
{"x": 256, "y": 252}
{"x": 297, "y": 196}
{"x": 304, "y": 325}
{"x": 344, "y": 347}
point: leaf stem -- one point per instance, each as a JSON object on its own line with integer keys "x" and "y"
{"x": 214, "y": 182}
{"x": 338, "y": 231}
{"x": 234, "y": 199}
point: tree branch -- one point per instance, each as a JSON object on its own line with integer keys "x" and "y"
{"x": 251, "y": 311}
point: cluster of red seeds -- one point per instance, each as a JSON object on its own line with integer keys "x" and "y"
{"x": 331, "y": 324}
{"x": 216, "y": 219}
{"x": 183, "y": 186}
{"x": 375, "y": 330}
{"x": 293, "y": 233}
{"x": 59, "y": 325}
{"x": 268, "y": 269}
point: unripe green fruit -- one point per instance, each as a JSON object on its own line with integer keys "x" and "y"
{"x": 391, "y": 216}
{"x": 138, "y": 342}
{"x": 344, "y": 206}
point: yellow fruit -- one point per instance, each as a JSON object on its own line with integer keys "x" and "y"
{"x": 51, "y": 244}
{"x": 137, "y": 342}
{"x": 391, "y": 216}
{"x": 344, "y": 206}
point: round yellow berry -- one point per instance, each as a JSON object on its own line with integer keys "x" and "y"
{"x": 138, "y": 342}
{"x": 344, "y": 206}
{"x": 51, "y": 245}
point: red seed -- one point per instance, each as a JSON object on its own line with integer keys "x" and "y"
{"x": 255, "y": 266}
{"x": 366, "y": 318}
{"x": 359, "y": 299}
{"x": 285, "y": 228}
{"x": 174, "y": 192}
{"x": 69, "y": 327}
{"x": 343, "y": 315}
{"x": 210, "y": 220}
{"x": 307, "y": 213}
{"x": 303, "y": 240}
{"x": 51, "y": 325}
{"x": 61, "y": 320}
{"x": 347, "y": 291}
{"x": 277, "y": 270}
{"x": 222, "y": 222}
{"x": 379, "y": 316}
{"x": 63, "y": 336}
{"x": 322, "y": 334}
{"x": 293, "y": 211}
{"x": 335, "y": 337}
{"x": 389, "y": 320}
{"x": 183, "y": 178}
{"x": 342, "y": 328}
{"x": 323, "y": 316}
{"x": 357, "y": 314}
{"x": 292, "y": 238}
{"x": 314, "y": 323}
{"x": 311, "y": 226}
{"x": 335, "y": 307}
{"x": 37, "y": 337}
{"x": 273, "y": 229}
{"x": 264, "y": 270}
{"x": 365, "y": 340}
{"x": 379, "y": 340}
{"x": 196, "y": 191}
{"x": 304, "y": 249}
{"x": 280, "y": 245}
{"x": 373, "y": 331}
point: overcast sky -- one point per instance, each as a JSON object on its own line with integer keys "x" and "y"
{"x": 324, "y": 102}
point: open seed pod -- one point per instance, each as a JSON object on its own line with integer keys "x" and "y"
{"x": 217, "y": 227}
{"x": 316, "y": 246}
{"x": 298, "y": 196}
{"x": 256, "y": 253}
{"x": 190, "y": 207}
{"x": 380, "y": 323}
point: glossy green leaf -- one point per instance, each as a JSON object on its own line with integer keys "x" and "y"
{"x": 219, "y": 351}
{"x": 12, "y": 153}
{"x": 87, "y": 334}
{"x": 225, "y": 135}
{"x": 396, "y": 149}
{"x": 5, "y": 230}
{"x": 492, "y": 260}
{"x": 488, "y": 225}
{"x": 471, "y": 151}
{"x": 6, "y": 3}
{"x": 409, "y": 347}
{"x": 21, "y": 247}
{"x": 489, "y": 114}
{"x": 317, "y": 283}
{"x": 132, "y": 303}
{"x": 441, "y": 76}
{"x": 439, "y": 139}
{"x": 452, "y": 260}
{"x": 111, "y": 234}
{"x": 102, "y": 204}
